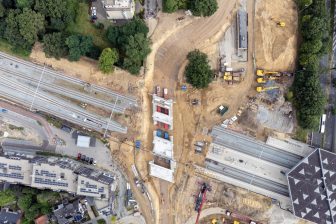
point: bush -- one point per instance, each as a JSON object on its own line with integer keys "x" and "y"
{"x": 6, "y": 197}
{"x": 198, "y": 71}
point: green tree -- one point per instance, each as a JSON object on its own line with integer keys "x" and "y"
{"x": 30, "y": 25}
{"x": 101, "y": 221}
{"x": 24, "y": 3}
{"x": 6, "y": 197}
{"x": 198, "y": 71}
{"x": 136, "y": 50}
{"x": 59, "y": 12}
{"x": 78, "y": 46}
{"x": 203, "y": 7}
{"x": 32, "y": 212}
{"x": 107, "y": 59}
{"x": 170, "y": 6}
{"x": 311, "y": 46}
{"x": 2, "y": 10}
{"x": 54, "y": 45}
{"x": 25, "y": 201}
{"x": 304, "y": 3}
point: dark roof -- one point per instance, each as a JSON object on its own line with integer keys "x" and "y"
{"x": 9, "y": 217}
{"x": 312, "y": 186}
{"x": 242, "y": 28}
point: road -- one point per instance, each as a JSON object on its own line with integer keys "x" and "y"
{"x": 253, "y": 147}
{"x": 328, "y": 139}
{"x": 248, "y": 178}
{"x": 41, "y": 89}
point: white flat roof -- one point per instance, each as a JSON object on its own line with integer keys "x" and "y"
{"x": 162, "y": 101}
{"x": 163, "y": 147}
{"x": 161, "y": 172}
{"x": 247, "y": 163}
{"x": 290, "y": 145}
{"x": 83, "y": 141}
{"x": 157, "y": 116}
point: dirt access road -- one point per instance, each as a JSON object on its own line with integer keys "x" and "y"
{"x": 169, "y": 57}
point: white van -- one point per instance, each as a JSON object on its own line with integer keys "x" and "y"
{"x": 322, "y": 124}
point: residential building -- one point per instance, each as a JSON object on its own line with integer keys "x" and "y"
{"x": 94, "y": 183}
{"x": 9, "y": 217}
{"x": 15, "y": 170}
{"x": 68, "y": 213}
{"x": 119, "y": 9}
{"x": 42, "y": 220}
{"x": 57, "y": 174}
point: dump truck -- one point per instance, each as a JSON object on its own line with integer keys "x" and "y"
{"x": 261, "y": 72}
{"x": 264, "y": 89}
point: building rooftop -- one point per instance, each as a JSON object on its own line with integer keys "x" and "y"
{"x": 242, "y": 29}
{"x": 83, "y": 141}
{"x": 9, "y": 217}
{"x": 161, "y": 172}
{"x": 312, "y": 186}
{"x": 290, "y": 145}
{"x": 96, "y": 175}
{"x": 163, "y": 147}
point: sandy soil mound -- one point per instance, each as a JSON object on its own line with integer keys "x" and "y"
{"x": 275, "y": 45}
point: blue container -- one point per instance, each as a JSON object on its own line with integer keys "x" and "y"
{"x": 137, "y": 144}
{"x": 166, "y": 135}
{"x": 184, "y": 88}
{"x": 159, "y": 133}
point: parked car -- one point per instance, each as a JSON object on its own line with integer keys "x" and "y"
{"x": 94, "y": 162}
{"x": 83, "y": 157}
{"x": 91, "y": 161}
{"x": 79, "y": 156}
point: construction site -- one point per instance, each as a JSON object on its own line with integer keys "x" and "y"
{"x": 185, "y": 170}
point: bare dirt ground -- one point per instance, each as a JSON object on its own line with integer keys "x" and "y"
{"x": 16, "y": 131}
{"x": 276, "y": 46}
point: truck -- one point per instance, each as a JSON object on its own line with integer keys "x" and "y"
{"x": 3, "y": 110}
{"x": 222, "y": 109}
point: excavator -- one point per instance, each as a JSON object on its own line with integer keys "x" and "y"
{"x": 264, "y": 80}
{"x": 264, "y": 89}
{"x": 261, "y": 72}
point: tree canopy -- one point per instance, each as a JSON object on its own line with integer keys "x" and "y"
{"x": 198, "y": 7}
{"x": 309, "y": 98}
{"x": 132, "y": 43}
{"x": 107, "y": 59}
{"x": 22, "y": 28}
{"x": 6, "y": 197}
{"x": 78, "y": 46}
{"x": 203, "y": 7}
{"x": 198, "y": 71}
{"x": 54, "y": 45}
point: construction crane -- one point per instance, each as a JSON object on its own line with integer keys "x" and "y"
{"x": 264, "y": 80}
{"x": 261, "y": 72}
{"x": 201, "y": 198}
{"x": 264, "y": 89}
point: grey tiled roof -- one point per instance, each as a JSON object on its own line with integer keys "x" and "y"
{"x": 312, "y": 185}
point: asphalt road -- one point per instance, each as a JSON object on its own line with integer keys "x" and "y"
{"x": 248, "y": 178}
{"x": 253, "y": 147}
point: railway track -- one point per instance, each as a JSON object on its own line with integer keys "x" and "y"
{"x": 254, "y": 148}
{"x": 126, "y": 99}
{"x": 248, "y": 178}
{"x": 66, "y": 92}
{"x": 62, "y": 110}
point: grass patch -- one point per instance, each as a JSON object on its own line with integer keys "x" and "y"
{"x": 301, "y": 134}
{"x": 82, "y": 25}
{"x": 6, "y": 197}
{"x": 13, "y": 127}
{"x": 6, "y": 47}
